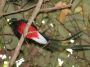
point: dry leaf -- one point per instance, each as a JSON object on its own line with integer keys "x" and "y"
{"x": 60, "y": 5}
{"x": 78, "y": 9}
{"x": 63, "y": 15}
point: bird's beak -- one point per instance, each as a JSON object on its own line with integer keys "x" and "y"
{"x": 40, "y": 39}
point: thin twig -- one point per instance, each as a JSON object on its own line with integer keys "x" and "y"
{"x": 81, "y": 58}
{"x": 41, "y": 10}
{"x": 6, "y": 34}
{"x": 53, "y": 9}
{"x": 17, "y": 11}
{"x": 17, "y": 50}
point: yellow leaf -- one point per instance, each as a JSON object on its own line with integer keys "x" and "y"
{"x": 78, "y": 9}
{"x": 5, "y": 64}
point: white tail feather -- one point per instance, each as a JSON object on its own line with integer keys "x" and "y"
{"x": 40, "y": 39}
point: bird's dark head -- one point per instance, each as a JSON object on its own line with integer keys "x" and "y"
{"x": 11, "y": 21}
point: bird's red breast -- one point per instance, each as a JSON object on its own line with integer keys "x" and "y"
{"x": 32, "y": 32}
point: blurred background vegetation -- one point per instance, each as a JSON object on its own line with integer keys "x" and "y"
{"x": 58, "y": 26}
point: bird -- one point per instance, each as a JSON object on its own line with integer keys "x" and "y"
{"x": 18, "y": 26}
{"x": 33, "y": 35}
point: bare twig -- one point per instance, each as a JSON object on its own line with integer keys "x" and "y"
{"x": 54, "y": 8}
{"x": 81, "y": 58}
{"x": 41, "y": 10}
{"x": 17, "y": 50}
{"x": 18, "y": 11}
{"x": 7, "y": 34}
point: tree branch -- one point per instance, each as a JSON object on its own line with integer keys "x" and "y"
{"x": 30, "y": 20}
{"x": 53, "y": 8}
{"x": 41, "y": 10}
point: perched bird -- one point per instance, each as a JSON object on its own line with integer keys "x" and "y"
{"x": 33, "y": 36}
{"x": 18, "y": 27}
